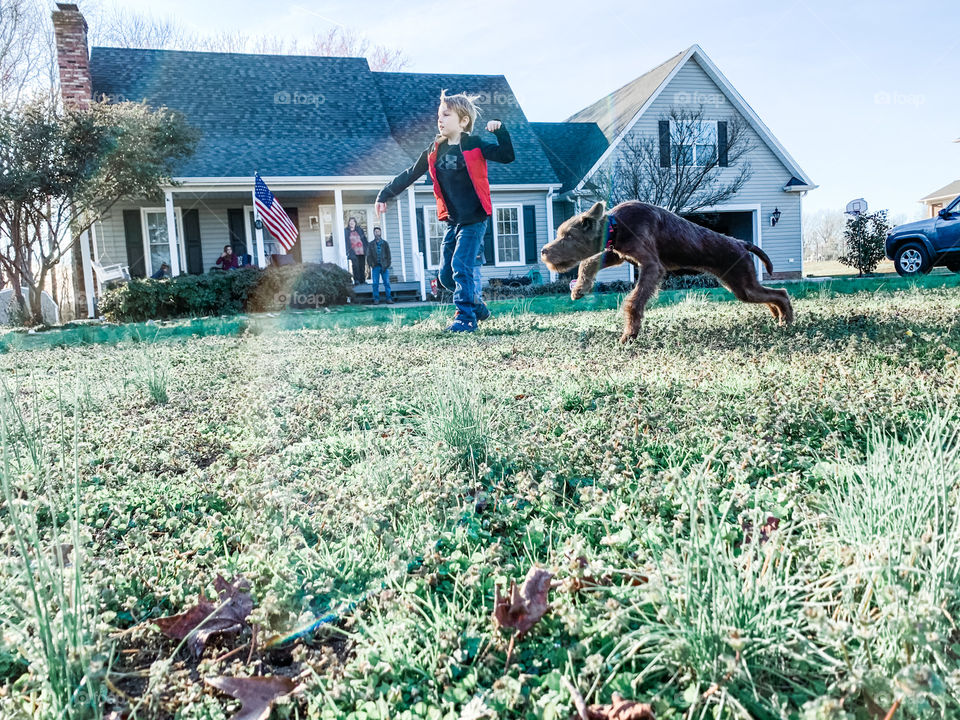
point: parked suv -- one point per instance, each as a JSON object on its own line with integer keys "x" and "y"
{"x": 917, "y": 247}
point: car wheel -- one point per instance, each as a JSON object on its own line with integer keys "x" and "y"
{"x": 911, "y": 259}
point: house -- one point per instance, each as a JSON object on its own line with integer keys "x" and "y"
{"x": 766, "y": 210}
{"x": 939, "y": 199}
{"x": 325, "y": 134}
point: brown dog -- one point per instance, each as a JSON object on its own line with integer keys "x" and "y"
{"x": 657, "y": 241}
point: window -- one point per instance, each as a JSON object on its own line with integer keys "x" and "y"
{"x": 693, "y": 144}
{"x": 508, "y": 235}
{"x": 156, "y": 245}
{"x": 435, "y": 231}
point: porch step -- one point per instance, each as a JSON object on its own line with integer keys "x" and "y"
{"x": 400, "y": 291}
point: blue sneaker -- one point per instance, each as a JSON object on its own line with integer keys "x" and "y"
{"x": 459, "y": 325}
{"x": 483, "y": 312}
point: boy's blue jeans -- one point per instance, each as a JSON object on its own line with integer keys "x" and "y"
{"x": 459, "y": 269}
{"x": 376, "y": 273}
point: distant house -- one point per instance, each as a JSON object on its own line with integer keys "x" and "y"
{"x": 325, "y": 134}
{"x": 939, "y": 199}
{"x": 590, "y": 139}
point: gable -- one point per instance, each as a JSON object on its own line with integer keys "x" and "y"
{"x": 694, "y": 80}
{"x": 571, "y": 147}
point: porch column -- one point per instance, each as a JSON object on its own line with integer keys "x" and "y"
{"x": 172, "y": 239}
{"x": 550, "y": 230}
{"x": 258, "y": 241}
{"x": 96, "y": 254}
{"x": 412, "y": 218}
{"x": 87, "y": 271}
{"x": 403, "y": 255}
{"x": 338, "y": 230}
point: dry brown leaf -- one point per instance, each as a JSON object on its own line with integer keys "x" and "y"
{"x": 526, "y": 605}
{"x": 230, "y": 618}
{"x": 621, "y": 710}
{"x": 256, "y": 694}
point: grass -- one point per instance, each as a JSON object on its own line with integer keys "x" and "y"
{"x": 742, "y": 520}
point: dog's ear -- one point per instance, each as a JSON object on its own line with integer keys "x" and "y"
{"x": 596, "y": 212}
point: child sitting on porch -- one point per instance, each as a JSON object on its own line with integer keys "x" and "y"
{"x": 457, "y": 161}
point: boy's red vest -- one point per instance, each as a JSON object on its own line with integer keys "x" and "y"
{"x": 476, "y": 169}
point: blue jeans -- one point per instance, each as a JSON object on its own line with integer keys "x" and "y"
{"x": 460, "y": 267}
{"x": 376, "y": 273}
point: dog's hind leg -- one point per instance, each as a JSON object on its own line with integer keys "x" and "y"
{"x": 742, "y": 282}
{"x": 589, "y": 269}
{"x": 636, "y": 302}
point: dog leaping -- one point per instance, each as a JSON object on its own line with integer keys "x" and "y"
{"x": 657, "y": 240}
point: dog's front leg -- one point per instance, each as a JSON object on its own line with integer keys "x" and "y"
{"x": 589, "y": 269}
{"x": 633, "y": 306}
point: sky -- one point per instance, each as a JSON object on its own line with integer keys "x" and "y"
{"x": 864, "y": 95}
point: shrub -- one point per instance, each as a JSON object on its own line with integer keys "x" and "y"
{"x": 247, "y": 289}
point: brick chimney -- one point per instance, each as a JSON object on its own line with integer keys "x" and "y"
{"x": 73, "y": 59}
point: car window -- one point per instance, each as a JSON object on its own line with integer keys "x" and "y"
{"x": 954, "y": 207}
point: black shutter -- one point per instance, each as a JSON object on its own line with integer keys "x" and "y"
{"x": 722, "y": 144}
{"x": 422, "y": 236}
{"x": 238, "y": 238}
{"x": 297, "y": 250}
{"x": 665, "y": 143}
{"x": 191, "y": 241}
{"x": 488, "y": 256}
{"x": 133, "y": 235}
{"x": 530, "y": 233}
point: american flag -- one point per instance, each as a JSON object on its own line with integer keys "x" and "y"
{"x": 273, "y": 215}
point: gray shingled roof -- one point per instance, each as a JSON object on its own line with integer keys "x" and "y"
{"x": 233, "y": 99}
{"x": 410, "y": 101}
{"x": 614, "y": 111}
{"x": 571, "y": 147}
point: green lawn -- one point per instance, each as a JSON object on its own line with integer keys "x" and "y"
{"x": 742, "y": 520}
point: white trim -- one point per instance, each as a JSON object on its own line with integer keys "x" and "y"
{"x": 426, "y": 240}
{"x": 732, "y": 95}
{"x": 403, "y": 255}
{"x": 338, "y": 236}
{"x": 259, "y": 254}
{"x": 757, "y": 210}
{"x": 145, "y": 231}
{"x": 496, "y": 239}
{"x": 550, "y": 230}
{"x": 412, "y": 220}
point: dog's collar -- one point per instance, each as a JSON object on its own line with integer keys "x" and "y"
{"x": 610, "y": 232}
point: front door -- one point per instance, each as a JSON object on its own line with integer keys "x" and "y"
{"x": 328, "y": 233}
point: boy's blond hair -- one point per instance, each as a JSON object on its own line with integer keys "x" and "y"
{"x": 462, "y": 104}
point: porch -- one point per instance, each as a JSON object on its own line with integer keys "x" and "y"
{"x": 196, "y": 219}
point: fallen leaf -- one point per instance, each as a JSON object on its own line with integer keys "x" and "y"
{"x": 526, "y": 605}
{"x": 621, "y": 710}
{"x": 206, "y": 620}
{"x": 256, "y": 694}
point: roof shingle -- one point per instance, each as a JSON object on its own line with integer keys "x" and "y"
{"x": 571, "y": 147}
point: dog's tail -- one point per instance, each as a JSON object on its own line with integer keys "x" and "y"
{"x": 760, "y": 254}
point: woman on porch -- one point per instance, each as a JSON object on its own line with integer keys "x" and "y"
{"x": 356, "y": 241}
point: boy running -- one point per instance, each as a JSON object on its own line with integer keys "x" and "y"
{"x": 457, "y": 161}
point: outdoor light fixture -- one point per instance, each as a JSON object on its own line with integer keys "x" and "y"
{"x": 774, "y": 217}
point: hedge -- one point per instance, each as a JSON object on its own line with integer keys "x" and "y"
{"x": 305, "y": 285}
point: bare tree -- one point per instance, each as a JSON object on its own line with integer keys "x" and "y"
{"x": 823, "y": 235}
{"x": 124, "y": 28}
{"x": 26, "y": 51}
{"x": 695, "y": 176}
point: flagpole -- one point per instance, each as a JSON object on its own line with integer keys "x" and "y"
{"x": 258, "y": 231}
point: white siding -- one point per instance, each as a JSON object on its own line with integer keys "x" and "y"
{"x": 693, "y": 86}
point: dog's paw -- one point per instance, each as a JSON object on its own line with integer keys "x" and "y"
{"x": 629, "y": 336}
{"x": 577, "y": 292}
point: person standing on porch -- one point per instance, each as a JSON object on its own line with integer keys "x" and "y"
{"x": 457, "y": 161}
{"x": 378, "y": 258}
{"x": 356, "y": 241}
